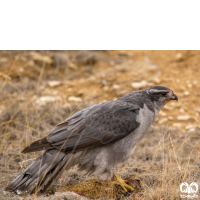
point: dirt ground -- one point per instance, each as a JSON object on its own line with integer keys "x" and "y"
{"x": 39, "y": 89}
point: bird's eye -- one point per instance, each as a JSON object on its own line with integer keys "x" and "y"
{"x": 164, "y": 93}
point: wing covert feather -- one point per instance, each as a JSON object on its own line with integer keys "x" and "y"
{"x": 95, "y": 126}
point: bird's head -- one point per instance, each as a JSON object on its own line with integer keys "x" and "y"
{"x": 161, "y": 95}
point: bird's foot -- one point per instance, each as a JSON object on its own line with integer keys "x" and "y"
{"x": 122, "y": 183}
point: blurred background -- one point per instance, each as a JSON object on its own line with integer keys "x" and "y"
{"x": 39, "y": 89}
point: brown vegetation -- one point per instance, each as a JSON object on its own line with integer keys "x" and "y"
{"x": 39, "y": 89}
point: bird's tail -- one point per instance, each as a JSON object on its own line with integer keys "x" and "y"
{"x": 44, "y": 171}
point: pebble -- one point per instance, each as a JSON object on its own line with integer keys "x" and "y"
{"x": 116, "y": 86}
{"x": 186, "y": 93}
{"x": 181, "y": 110}
{"x": 183, "y": 117}
{"x": 198, "y": 110}
{"x": 189, "y": 85}
{"x": 190, "y": 127}
{"x": 167, "y": 107}
{"x": 2, "y": 112}
{"x": 162, "y": 120}
{"x": 54, "y": 83}
{"x": 40, "y": 57}
{"x": 177, "y": 125}
{"x": 47, "y": 99}
{"x": 155, "y": 80}
{"x": 75, "y": 99}
{"x": 163, "y": 114}
{"x": 139, "y": 85}
{"x": 170, "y": 118}
{"x": 179, "y": 56}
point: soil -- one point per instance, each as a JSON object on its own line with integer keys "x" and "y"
{"x": 39, "y": 89}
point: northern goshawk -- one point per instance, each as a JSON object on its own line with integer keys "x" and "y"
{"x": 96, "y": 139}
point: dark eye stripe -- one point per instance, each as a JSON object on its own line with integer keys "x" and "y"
{"x": 164, "y": 93}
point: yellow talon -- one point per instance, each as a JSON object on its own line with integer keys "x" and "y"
{"x": 122, "y": 183}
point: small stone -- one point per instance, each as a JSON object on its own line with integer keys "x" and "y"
{"x": 182, "y": 110}
{"x": 41, "y": 101}
{"x": 177, "y": 125}
{"x": 163, "y": 114}
{"x": 66, "y": 105}
{"x": 183, "y": 117}
{"x": 21, "y": 70}
{"x": 54, "y": 83}
{"x": 190, "y": 126}
{"x": 170, "y": 118}
{"x": 155, "y": 80}
{"x": 162, "y": 120}
{"x": 198, "y": 110}
{"x": 173, "y": 104}
{"x": 167, "y": 107}
{"x": 116, "y": 86}
{"x": 179, "y": 56}
{"x": 186, "y": 93}
{"x": 40, "y": 57}
{"x": 195, "y": 82}
{"x": 3, "y": 60}
{"x": 189, "y": 85}
{"x": 75, "y": 99}
{"x": 192, "y": 129}
{"x": 139, "y": 85}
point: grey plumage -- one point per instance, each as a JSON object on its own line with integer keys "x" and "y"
{"x": 97, "y": 138}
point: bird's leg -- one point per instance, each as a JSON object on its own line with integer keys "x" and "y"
{"x": 122, "y": 183}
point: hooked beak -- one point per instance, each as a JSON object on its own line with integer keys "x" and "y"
{"x": 174, "y": 97}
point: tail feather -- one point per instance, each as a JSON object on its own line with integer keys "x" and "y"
{"x": 44, "y": 171}
{"x": 53, "y": 175}
{"x": 39, "y": 145}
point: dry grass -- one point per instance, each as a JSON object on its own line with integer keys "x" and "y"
{"x": 167, "y": 156}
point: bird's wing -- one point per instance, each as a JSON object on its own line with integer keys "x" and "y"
{"x": 95, "y": 126}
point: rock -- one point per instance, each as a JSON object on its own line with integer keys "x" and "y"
{"x": 139, "y": 85}
{"x": 54, "y": 83}
{"x": 175, "y": 104}
{"x": 41, "y": 101}
{"x": 162, "y": 120}
{"x": 198, "y": 110}
{"x": 40, "y": 57}
{"x": 167, "y": 107}
{"x": 59, "y": 59}
{"x": 69, "y": 195}
{"x": 116, "y": 86}
{"x": 179, "y": 57}
{"x": 183, "y": 117}
{"x": 155, "y": 80}
{"x": 76, "y": 99}
{"x": 181, "y": 110}
{"x": 2, "y": 112}
{"x": 170, "y": 118}
{"x": 177, "y": 125}
{"x": 163, "y": 114}
{"x": 186, "y": 93}
{"x": 87, "y": 58}
{"x": 190, "y": 127}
